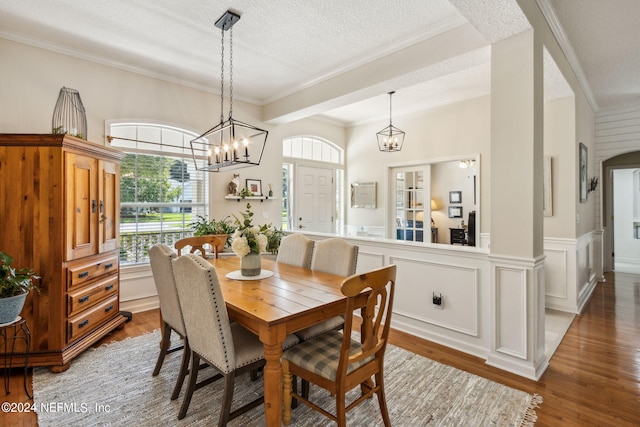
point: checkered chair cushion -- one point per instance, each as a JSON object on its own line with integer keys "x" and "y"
{"x": 321, "y": 355}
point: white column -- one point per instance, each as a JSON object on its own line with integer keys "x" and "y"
{"x": 517, "y": 257}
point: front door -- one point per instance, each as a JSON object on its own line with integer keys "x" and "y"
{"x": 315, "y": 196}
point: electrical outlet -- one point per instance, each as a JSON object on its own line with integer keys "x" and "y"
{"x": 438, "y": 301}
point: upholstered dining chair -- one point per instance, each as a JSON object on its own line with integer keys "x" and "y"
{"x": 198, "y": 243}
{"x": 229, "y": 348}
{"x": 338, "y": 363}
{"x": 160, "y": 257}
{"x": 295, "y": 249}
{"x": 335, "y": 256}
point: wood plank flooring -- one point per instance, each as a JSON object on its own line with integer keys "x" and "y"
{"x": 593, "y": 378}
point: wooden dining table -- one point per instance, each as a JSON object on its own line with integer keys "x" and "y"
{"x": 291, "y": 299}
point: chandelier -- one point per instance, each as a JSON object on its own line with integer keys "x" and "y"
{"x": 390, "y": 138}
{"x": 231, "y": 144}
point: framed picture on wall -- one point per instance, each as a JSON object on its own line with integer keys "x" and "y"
{"x": 455, "y": 211}
{"x": 455, "y": 196}
{"x": 583, "y": 172}
{"x": 255, "y": 186}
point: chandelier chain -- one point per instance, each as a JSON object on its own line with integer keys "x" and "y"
{"x": 230, "y": 72}
{"x": 222, "y": 78}
{"x": 390, "y": 111}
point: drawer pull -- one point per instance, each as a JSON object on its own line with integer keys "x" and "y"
{"x": 84, "y": 299}
{"x": 83, "y": 323}
{"x": 108, "y": 309}
{"x": 83, "y": 275}
{"x": 108, "y": 287}
{"x": 108, "y": 265}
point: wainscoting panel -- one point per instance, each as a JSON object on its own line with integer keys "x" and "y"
{"x": 457, "y": 285}
{"x": 369, "y": 260}
{"x": 556, "y": 271}
{"x": 511, "y": 311}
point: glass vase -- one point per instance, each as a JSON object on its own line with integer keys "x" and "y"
{"x": 251, "y": 264}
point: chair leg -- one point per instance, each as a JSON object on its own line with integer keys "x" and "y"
{"x": 164, "y": 346}
{"x": 382, "y": 400}
{"x": 287, "y": 379}
{"x": 229, "y": 381}
{"x": 341, "y": 412}
{"x": 184, "y": 368}
{"x": 294, "y": 388}
{"x": 305, "y": 389}
{"x": 193, "y": 377}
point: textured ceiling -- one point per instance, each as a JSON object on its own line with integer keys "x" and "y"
{"x": 284, "y": 47}
{"x": 605, "y": 36}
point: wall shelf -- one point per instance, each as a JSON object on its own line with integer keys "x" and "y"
{"x": 238, "y": 198}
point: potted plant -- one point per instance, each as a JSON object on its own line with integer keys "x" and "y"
{"x": 274, "y": 236}
{"x": 15, "y": 285}
{"x": 220, "y": 228}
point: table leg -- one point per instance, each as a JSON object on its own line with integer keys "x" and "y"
{"x": 273, "y": 384}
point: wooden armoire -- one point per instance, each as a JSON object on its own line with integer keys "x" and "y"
{"x": 59, "y": 214}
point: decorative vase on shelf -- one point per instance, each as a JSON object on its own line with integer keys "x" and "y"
{"x": 251, "y": 264}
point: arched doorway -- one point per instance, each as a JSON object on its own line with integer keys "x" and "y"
{"x": 612, "y": 223}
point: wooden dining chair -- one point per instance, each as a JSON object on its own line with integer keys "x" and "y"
{"x": 160, "y": 257}
{"x": 198, "y": 243}
{"x": 295, "y": 249}
{"x": 338, "y": 363}
{"x": 228, "y": 347}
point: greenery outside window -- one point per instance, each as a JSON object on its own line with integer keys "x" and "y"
{"x": 161, "y": 192}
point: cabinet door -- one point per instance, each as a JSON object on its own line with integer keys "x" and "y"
{"x": 81, "y": 213}
{"x": 109, "y": 189}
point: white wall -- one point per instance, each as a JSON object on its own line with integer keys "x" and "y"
{"x": 455, "y": 130}
{"x": 559, "y": 133}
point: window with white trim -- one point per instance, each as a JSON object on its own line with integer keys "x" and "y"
{"x": 161, "y": 192}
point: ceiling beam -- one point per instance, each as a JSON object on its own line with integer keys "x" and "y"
{"x": 372, "y": 79}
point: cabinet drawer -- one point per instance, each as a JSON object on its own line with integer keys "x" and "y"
{"x": 81, "y": 273}
{"x": 89, "y": 319}
{"x": 91, "y": 295}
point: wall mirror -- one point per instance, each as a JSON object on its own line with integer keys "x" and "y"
{"x": 363, "y": 195}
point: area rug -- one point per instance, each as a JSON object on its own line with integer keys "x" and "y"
{"x": 112, "y": 385}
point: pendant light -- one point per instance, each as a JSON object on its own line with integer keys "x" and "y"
{"x": 231, "y": 144}
{"x": 390, "y": 138}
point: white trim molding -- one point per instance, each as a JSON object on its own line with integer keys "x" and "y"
{"x": 517, "y": 307}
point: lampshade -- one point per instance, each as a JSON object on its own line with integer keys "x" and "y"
{"x": 466, "y": 163}
{"x": 434, "y": 205}
{"x": 420, "y": 216}
{"x": 231, "y": 144}
{"x": 390, "y": 138}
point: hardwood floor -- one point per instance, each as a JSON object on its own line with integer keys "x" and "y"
{"x": 593, "y": 378}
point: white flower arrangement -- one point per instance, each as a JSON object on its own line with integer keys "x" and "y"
{"x": 249, "y": 238}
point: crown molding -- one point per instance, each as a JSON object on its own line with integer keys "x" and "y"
{"x": 561, "y": 37}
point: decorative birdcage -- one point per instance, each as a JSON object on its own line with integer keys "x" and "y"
{"x": 69, "y": 116}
